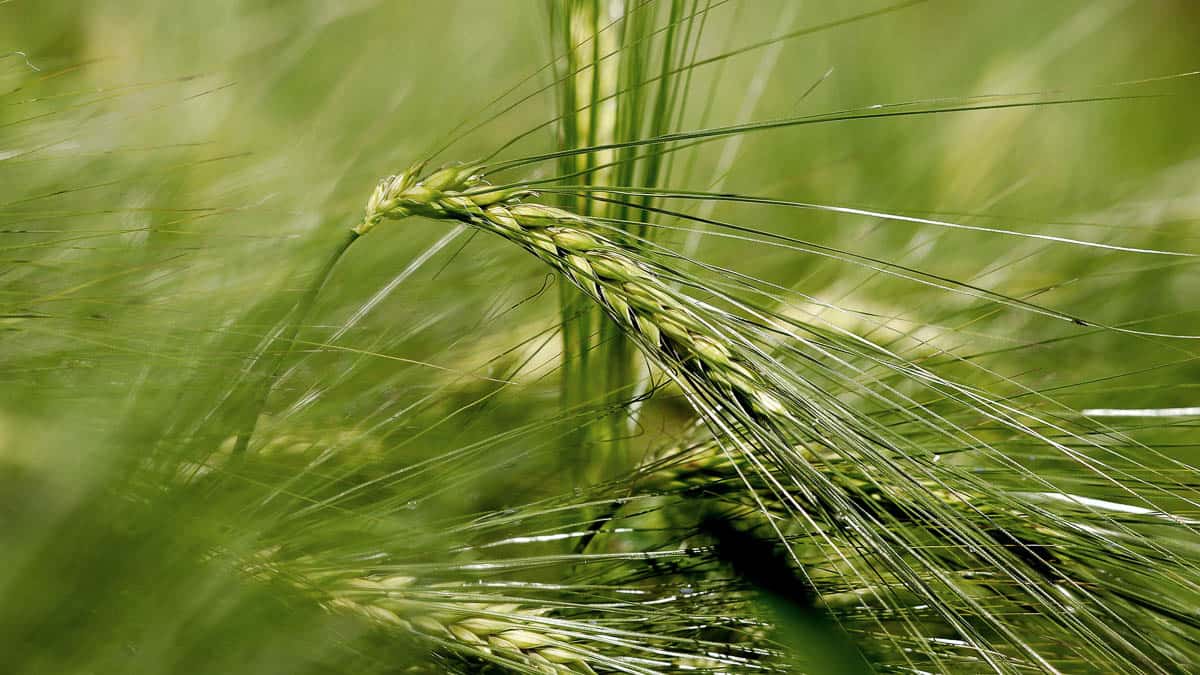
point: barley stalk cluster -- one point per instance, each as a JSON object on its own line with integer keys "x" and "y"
{"x": 852, "y": 369}
{"x": 881, "y": 525}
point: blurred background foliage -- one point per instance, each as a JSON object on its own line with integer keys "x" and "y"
{"x": 172, "y": 174}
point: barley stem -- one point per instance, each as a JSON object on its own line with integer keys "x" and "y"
{"x": 270, "y": 370}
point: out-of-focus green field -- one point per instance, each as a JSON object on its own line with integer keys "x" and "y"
{"x": 172, "y": 173}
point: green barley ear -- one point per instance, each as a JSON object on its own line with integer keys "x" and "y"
{"x": 502, "y": 633}
{"x": 632, "y": 291}
{"x": 479, "y": 604}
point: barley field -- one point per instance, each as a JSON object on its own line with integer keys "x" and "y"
{"x": 599, "y": 336}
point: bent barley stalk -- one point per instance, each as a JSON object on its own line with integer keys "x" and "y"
{"x": 1056, "y": 544}
{"x": 1065, "y": 550}
{"x": 631, "y": 291}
